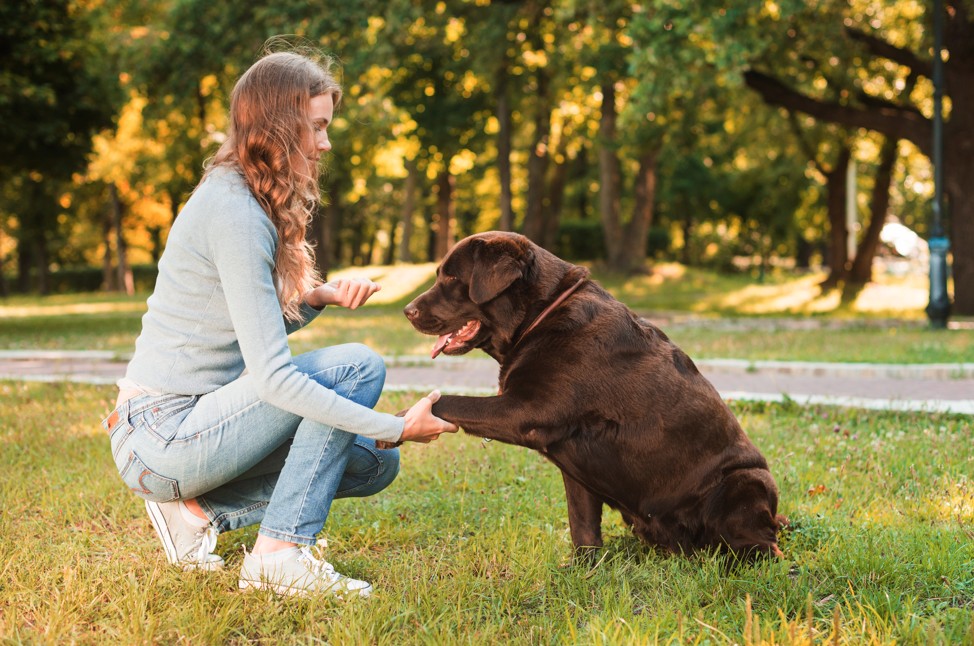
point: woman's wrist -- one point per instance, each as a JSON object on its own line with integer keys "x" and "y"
{"x": 316, "y": 298}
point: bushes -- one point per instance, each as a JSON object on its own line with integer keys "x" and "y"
{"x": 89, "y": 279}
{"x": 580, "y": 240}
{"x": 584, "y": 240}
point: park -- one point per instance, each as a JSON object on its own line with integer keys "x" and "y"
{"x": 734, "y": 175}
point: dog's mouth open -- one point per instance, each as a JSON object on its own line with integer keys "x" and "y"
{"x": 456, "y": 341}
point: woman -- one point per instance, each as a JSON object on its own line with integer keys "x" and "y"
{"x": 217, "y": 426}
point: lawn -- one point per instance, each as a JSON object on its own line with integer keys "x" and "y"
{"x": 709, "y": 315}
{"x": 471, "y": 546}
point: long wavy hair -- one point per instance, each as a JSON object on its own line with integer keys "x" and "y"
{"x": 267, "y": 142}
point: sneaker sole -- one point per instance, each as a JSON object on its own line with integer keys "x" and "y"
{"x": 288, "y": 591}
{"x": 159, "y": 524}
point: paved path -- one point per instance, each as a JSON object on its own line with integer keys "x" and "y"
{"x": 929, "y": 387}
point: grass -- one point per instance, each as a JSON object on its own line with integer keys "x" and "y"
{"x": 709, "y": 315}
{"x": 470, "y": 546}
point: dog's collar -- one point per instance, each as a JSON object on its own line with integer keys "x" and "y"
{"x": 558, "y": 301}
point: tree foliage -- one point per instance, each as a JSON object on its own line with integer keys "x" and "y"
{"x": 720, "y": 127}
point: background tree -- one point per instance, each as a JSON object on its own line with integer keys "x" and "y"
{"x": 54, "y": 98}
{"x": 478, "y": 115}
{"x": 426, "y": 53}
{"x": 882, "y": 44}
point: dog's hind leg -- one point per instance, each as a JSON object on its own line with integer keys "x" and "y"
{"x": 584, "y": 515}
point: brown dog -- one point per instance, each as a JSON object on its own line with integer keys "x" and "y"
{"x": 605, "y": 395}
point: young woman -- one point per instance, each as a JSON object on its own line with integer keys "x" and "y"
{"x": 217, "y": 426}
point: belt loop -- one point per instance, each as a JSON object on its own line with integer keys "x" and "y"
{"x": 116, "y": 416}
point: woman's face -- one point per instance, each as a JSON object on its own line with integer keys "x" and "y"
{"x": 321, "y": 109}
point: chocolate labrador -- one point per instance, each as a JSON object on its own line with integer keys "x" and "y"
{"x": 604, "y": 395}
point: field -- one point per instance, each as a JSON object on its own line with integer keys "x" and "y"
{"x": 470, "y": 545}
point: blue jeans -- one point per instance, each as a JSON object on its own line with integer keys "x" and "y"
{"x": 247, "y": 462}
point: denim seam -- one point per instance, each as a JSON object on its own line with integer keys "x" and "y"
{"x": 284, "y": 536}
{"x": 213, "y": 427}
{"x": 223, "y": 520}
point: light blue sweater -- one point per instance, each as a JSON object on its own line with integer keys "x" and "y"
{"x": 215, "y": 311}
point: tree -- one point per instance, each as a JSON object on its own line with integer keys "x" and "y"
{"x": 54, "y": 99}
{"x": 883, "y": 64}
{"x": 425, "y": 53}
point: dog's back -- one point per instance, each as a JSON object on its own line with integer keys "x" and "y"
{"x": 654, "y": 438}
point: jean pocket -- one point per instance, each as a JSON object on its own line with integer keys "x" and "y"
{"x": 160, "y": 418}
{"x": 145, "y": 482}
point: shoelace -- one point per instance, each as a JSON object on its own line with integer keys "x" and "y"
{"x": 207, "y": 543}
{"x": 317, "y": 566}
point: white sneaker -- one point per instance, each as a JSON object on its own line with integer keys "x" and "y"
{"x": 187, "y": 546}
{"x": 296, "y": 572}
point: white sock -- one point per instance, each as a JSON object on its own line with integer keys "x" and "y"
{"x": 190, "y": 517}
{"x": 276, "y": 556}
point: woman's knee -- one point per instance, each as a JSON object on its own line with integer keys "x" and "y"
{"x": 369, "y": 362}
{"x": 353, "y": 369}
{"x": 371, "y": 374}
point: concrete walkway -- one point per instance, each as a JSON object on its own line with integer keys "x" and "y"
{"x": 927, "y": 387}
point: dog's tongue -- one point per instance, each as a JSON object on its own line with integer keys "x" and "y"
{"x": 440, "y": 344}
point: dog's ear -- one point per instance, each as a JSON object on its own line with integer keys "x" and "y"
{"x": 493, "y": 273}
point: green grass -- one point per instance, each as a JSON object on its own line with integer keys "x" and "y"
{"x": 709, "y": 315}
{"x": 470, "y": 546}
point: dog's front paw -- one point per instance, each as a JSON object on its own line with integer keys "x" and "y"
{"x": 382, "y": 445}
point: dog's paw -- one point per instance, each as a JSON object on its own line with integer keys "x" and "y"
{"x": 382, "y": 445}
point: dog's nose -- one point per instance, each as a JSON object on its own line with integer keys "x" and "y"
{"x": 411, "y": 311}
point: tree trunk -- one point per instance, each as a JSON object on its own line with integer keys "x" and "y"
{"x": 538, "y": 163}
{"x": 408, "y": 211}
{"x": 4, "y": 288}
{"x": 960, "y": 220}
{"x": 126, "y": 282}
{"x": 108, "y": 277}
{"x": 836, "y": 191}
{"x": 23, "y": 264}
{"x": 155, "y": 238}
{"x": 637, "y": 231}
{"x": 504, "y": 149}
{"x": 862, "y": 267}
{"x": 555, "y": 197}
{"x": 389, "y": 257}
{"x": 610, "y": 179}
{"x": 39, "y": 210}
{"x": 329, "y": 220}
{"x": 444, "y": 212}
{"x": 686, "y": 256}
{"x": 41, "y": 262}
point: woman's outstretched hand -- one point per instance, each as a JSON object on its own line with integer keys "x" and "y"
{"x": 422, "y": 425}
{"x": 344, "y": 292}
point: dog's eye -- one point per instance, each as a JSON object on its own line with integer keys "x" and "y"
{"x": 447, "y": 278}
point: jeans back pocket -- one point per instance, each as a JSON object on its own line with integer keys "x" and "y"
{"x": 144, "y": 482}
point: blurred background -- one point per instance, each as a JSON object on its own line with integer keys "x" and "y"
{"x": 742, "y": 136}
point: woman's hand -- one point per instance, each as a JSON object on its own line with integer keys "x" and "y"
{"x": 344, "y": 292}
{"x": 422, "y": 425}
